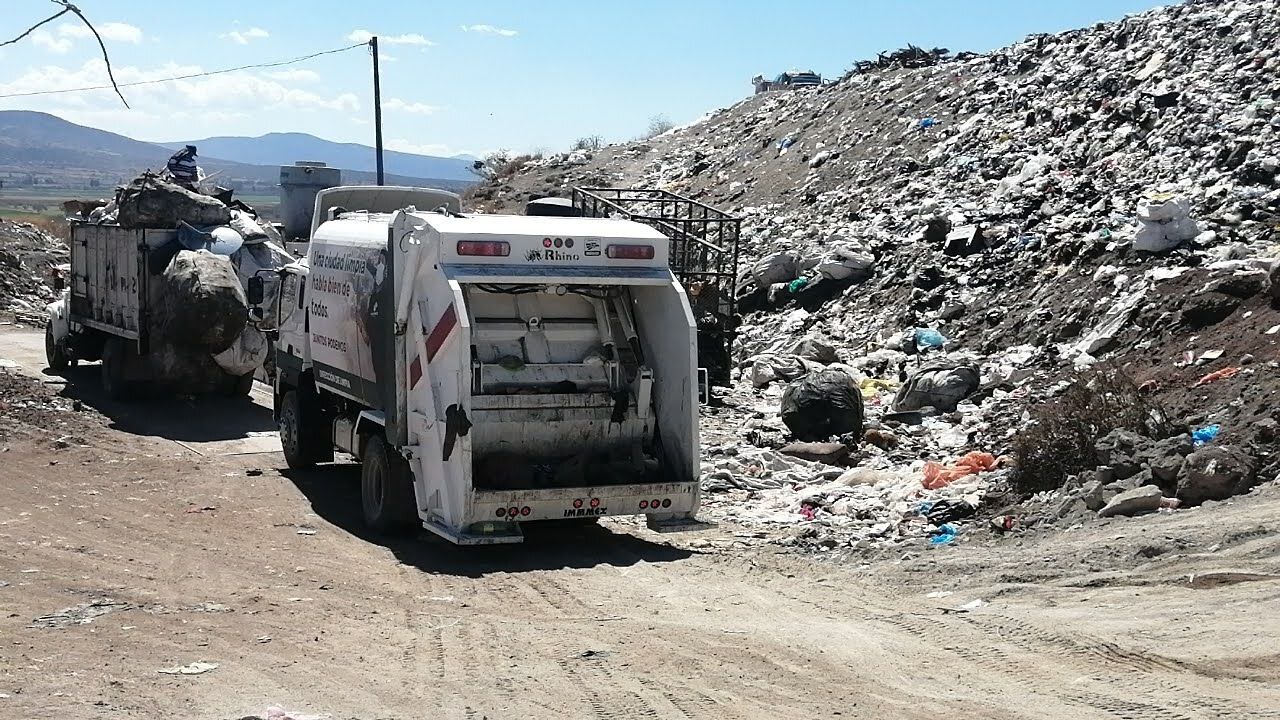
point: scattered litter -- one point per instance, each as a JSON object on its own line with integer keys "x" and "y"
{"x": 306, "y": 531}
{"x": 82, "y": 614}
{"x": 1216, "y": 375}
{"x": 936, "y": 594}
{"x": 195, "y": 668}
{"x": 937, "y": 475}
{"x": 967, "y": 607}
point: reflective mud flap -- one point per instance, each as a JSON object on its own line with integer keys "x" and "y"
{"x": 676, "y": 523}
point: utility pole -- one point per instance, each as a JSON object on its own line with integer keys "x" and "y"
{"x": 377, "y": 108}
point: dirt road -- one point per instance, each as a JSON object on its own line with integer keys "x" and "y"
{"x": 163, "y": 534}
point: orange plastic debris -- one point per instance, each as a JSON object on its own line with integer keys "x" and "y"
{"x": 1222, "y": 374}
{"x": 937, "y": 475}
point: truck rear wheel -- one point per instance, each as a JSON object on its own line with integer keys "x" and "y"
{"x": 115, "y": 361}
{"x": 386, "y": 489}
{"x": 298, "y": 438}
{"x": 236, "y": 387}
{"x": 55, "y": 351}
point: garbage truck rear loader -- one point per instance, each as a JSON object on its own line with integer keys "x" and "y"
{"x": 492, "y": 370}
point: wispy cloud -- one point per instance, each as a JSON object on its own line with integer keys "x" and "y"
{"x": 361, "y": 35}
{"x": 114, "y": 31}
{"x": 436, "y": 149}
{"x": 244, "y": 37}
{"x": 295, "y": 75}
{"x": 413, "y": 108}
{"x": 56, "y": 45}
{"x": 490, "y": 30}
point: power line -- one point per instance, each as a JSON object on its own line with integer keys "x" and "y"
{"x": 192, "y": 76}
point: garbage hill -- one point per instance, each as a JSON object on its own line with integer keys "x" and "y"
{"x": 1060, "y": 255}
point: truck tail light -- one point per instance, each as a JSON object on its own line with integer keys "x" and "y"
{"x": 484, "y": 248}
{"x": 629, "y": 252}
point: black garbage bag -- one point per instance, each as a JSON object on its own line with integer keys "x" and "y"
{"x": 149, "y": 202}
{"x": 203, "y": 304}
{"x": 823, "y": 405}
{"x": 940, "y": 385}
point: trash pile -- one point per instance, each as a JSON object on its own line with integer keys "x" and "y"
{"x": 27, "y": 254}
{"x": 959, "y": 240}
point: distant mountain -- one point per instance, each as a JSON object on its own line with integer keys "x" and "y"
{"x": 52, "y": 149}
{"x": 288, "y": 148}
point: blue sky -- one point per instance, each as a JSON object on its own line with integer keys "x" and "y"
{"x": 475, "y": 76}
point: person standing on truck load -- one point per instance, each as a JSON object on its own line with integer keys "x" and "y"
{"x": 182, "y": 166}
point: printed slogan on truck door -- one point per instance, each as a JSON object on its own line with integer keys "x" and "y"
{"x": 347, "y": 299}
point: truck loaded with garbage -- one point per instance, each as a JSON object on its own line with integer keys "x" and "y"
{"x": 156, "y": 290}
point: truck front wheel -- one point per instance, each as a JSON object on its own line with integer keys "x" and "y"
{"x": 55, "y": 351}
{"x": 386, "y": 489}
{"x": 297, "y": 437}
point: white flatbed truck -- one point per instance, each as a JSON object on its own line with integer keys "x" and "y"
{"x": 490, "y": 370}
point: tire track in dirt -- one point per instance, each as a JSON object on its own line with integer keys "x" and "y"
{"x": 606, "y": 700}
{"x": 1035, "y": 639}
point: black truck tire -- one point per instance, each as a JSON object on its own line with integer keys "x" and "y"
{"x": 115, "y": 361}
{"x": 238, "y": 386}
{"x": 301, "y": 434}
{"x": 55, "y": 352}
{"x": 386, "y": 489}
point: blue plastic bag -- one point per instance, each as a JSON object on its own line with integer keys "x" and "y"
{"x": 1205, "y": 434}
{"x": 929, "y": 338}
{"x": 945, "y": 535}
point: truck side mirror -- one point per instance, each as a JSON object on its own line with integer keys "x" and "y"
{"x": 256, "y": 291}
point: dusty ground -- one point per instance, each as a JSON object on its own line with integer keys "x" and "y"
{"x": 171, "y": 530}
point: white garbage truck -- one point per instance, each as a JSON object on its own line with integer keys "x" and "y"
{"x": 489, "y": 370}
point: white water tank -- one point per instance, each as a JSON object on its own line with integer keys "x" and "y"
{"x": 299, "y": 184}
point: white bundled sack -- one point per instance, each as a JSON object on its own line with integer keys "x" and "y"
{"x": 245, "y": 354}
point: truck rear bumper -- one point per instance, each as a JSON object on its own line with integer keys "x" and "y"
{"x": 679, "y": 498}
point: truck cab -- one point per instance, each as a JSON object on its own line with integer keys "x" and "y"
{"x": 492, "y": 370}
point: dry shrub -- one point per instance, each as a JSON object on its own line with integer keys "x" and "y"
{"x": 1059, "y": 439}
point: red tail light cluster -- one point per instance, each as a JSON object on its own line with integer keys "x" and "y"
{"x": 655, "y": 503}
{"x": 484, "y": 248}
{"x": 629, "y": 252}
{"x": 513, "y": 511}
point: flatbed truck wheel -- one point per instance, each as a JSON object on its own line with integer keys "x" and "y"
{"x": 115, "y": 361}
{"x": 238, "y": 387}
{"x": 386, "y": 489}
{"x": 55, "y": 353}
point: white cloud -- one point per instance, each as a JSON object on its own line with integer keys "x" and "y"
{"x": 245, "y": 37}
{"x": 437, "y": 149}
{"x": 115, "y": 31}
{"x": 295, "y": 75}
{"x": 363, "y": 36}
{"x": 490, "y": 30}
{"x": 228, "y": 93}
{"x": 56, "y": 45}
{"x": 413, "y": 108}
